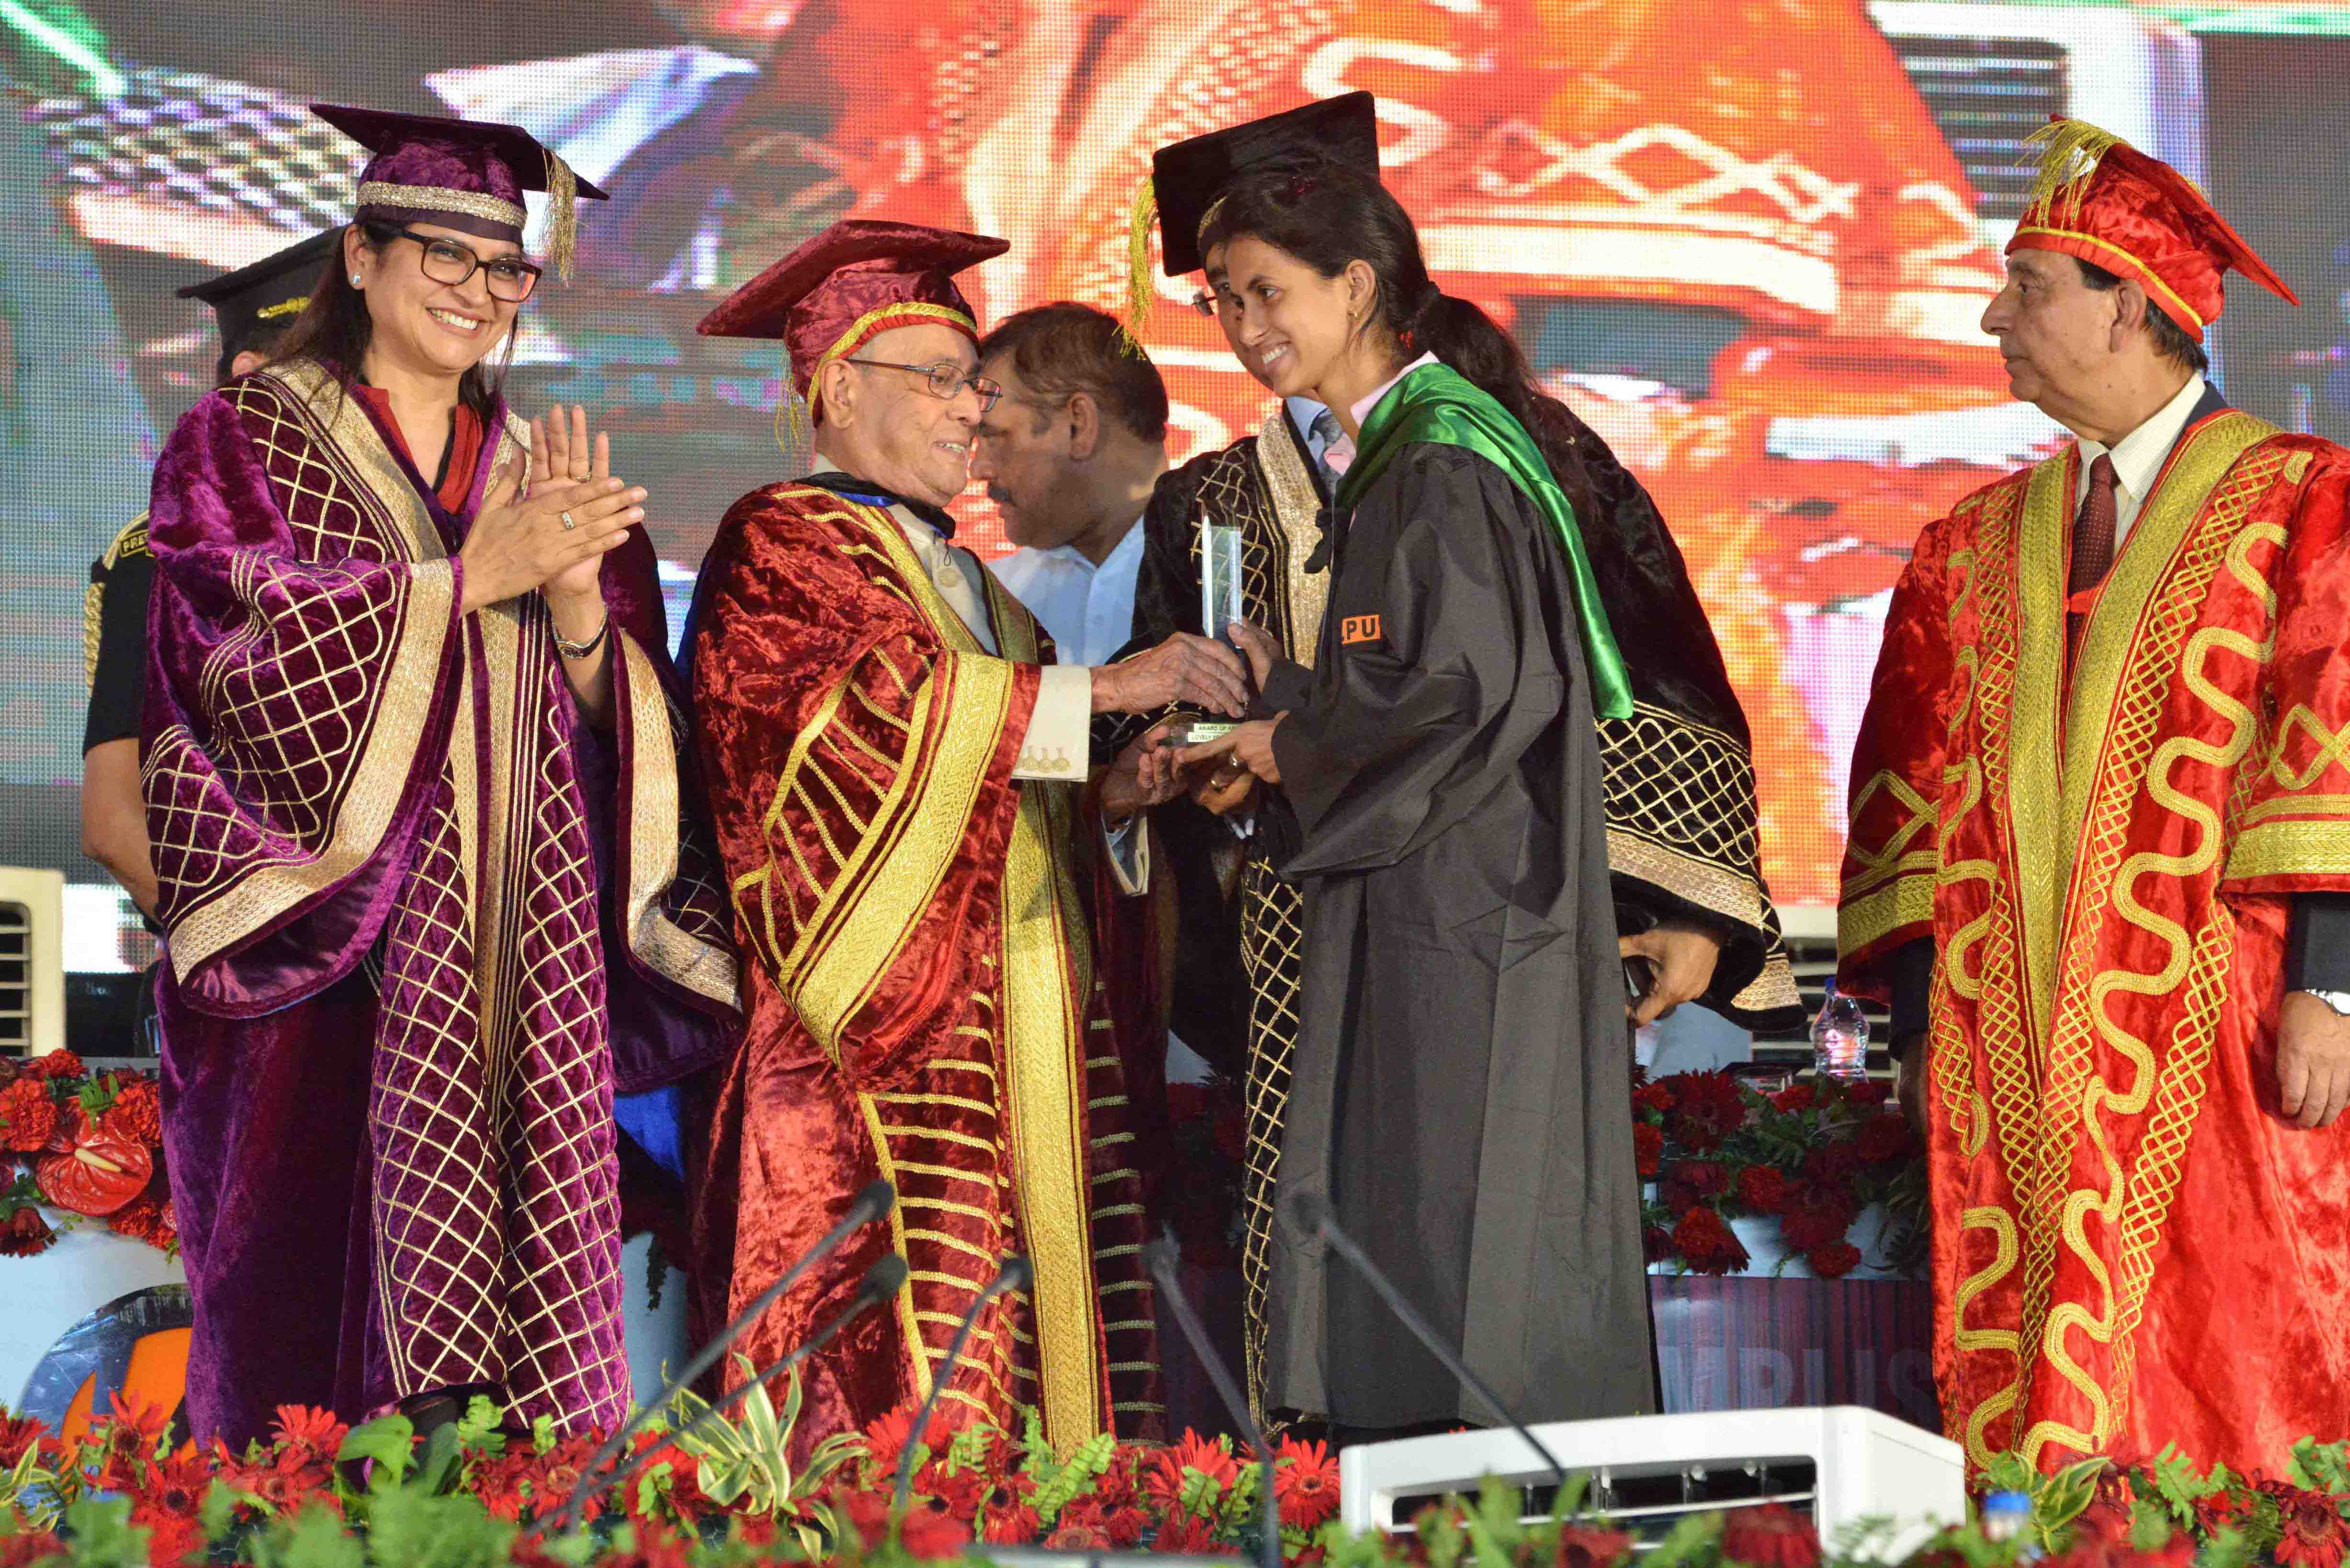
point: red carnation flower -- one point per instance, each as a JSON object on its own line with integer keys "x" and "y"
{"x": 1763, "y": 1188}
{"x": 56, "y": 1064}
{"x": 1833, "y": 1164}
{"x": 1127, "y": 1526}
{"x": 1883, "y": 1138}
{"x": 1706, "y": 1178}
{"x": 137, "y": 1111}
{"x": 24, "y": 1233}
{"x": 1656, "y": 1243}
{"x": 1305, "y": 1484}
{"x": 1770, "y": 1536}
{"x": 147, "y": 1218}
{"x": 1795, "y": 1097}
{"x": 1707, "y": 1245}
{"x": 28, "y": 1547}
{"x": 1868, "y": 1092}
{"x": 28, "y": 1115}
{"x": 1653, "y": 1097}
{"x": 1707, "y": 1107}
{"x": 1813, "y": 1218}
{"x": 1648, "y": 1148}
{"x": 1834, "y": 1261}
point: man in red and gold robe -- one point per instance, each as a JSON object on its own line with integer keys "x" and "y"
{"x": 898, "y": 772}
{"x": 2100, "y": 837}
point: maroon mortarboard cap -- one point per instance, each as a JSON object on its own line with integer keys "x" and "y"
{"x": 859, "y": 278}
{"x": 464, "y": 174}
{"x": 1187, "y": 177}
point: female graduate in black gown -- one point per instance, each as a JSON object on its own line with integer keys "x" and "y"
{"x": 1462, "y": 1073}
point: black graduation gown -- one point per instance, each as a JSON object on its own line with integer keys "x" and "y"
{"x": 1463, "y": 1075}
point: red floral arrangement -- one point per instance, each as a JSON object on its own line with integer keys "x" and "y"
{"x": 1811, "y": 1155}
{"x": 80, "y": 1143}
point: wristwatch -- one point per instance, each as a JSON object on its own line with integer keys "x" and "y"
{"x": 2337, "y": 1000}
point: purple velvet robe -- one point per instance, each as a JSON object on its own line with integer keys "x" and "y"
{"x": 398, "y": 878}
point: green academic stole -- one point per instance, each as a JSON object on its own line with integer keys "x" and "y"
{"x": 1437, "y": 403}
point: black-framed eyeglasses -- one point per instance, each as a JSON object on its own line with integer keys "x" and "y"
{"x": 1205, "y": 304}
{"x": 944, "y": 380}
{"x": 445, "y": 260}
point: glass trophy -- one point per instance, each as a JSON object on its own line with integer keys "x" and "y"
{"x": 1220, "y": 606}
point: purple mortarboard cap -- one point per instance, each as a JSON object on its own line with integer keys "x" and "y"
{"x": 468, "y": 175}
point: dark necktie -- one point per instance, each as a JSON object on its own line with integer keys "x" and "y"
{"x": 2093, "y": 546}
{"x": 1326, "y": 431}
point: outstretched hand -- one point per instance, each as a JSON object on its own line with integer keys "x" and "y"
{"x": 1191, "y": 670}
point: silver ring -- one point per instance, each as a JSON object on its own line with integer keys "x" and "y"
{"x": 570, "y": 522}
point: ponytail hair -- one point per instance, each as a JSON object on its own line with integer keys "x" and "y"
{"x": 1327, "y": 215}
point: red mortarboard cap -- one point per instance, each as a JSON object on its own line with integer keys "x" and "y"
{"x": 2102, "y": 199}
{"x": 464, "y": 174}
{"x": 859, "y": 278}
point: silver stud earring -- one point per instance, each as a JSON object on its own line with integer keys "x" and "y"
{"x": 355, "y": 280}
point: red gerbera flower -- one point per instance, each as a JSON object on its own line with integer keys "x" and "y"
{"x": 1707, "y": 1108}
{"x": 867, "y": 1511}
{"x": 1077, "y": 1538}
{"x": 1187, "y": 1532}
{"x": 1707, "y": 1244}
{"x": 28, "y": 1547}
{"x": 928, "y": 1533}
{"x": 127, "y": 1440}
{"x": 307, "y": 1427}
{"x": 178, "y": 1484}
{"x": 28, "y": 1115}
{"x": 1648, "y": 1148}
{"x": 1126, "y": 1525}
{"x": 885, "y": 1440}
{"x": 1795, "y": 1097}
{"x": 18, "y": 1433}
{"x": 1010, "y": 1524}
{"x": 173, "y": 1539}
{"x": 2314, "y": 1535}
{"x": 1763, "y": 1188}
{"x": 1834, "y": 1261}
{"x": 1770, "y": 1536}
{"x": 1212, "y": 1459}
{"x": 1305, "y": 1484}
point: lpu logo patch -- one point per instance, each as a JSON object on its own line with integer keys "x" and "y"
{"x": 1357, "y": 628}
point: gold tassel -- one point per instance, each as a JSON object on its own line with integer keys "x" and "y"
{"x": 1139, "y": 291}
{"x": 2069, "y": 152}
{"x": 562, "y": 216}
{"x": 795, "y": 428}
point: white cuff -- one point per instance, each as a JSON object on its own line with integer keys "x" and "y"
{"x": 1059, "y": 739}
{"x": 1129, "y": 844}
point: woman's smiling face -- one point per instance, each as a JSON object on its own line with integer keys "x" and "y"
{"x": 1286, "y": 323}
{"x": 423, "y": 325}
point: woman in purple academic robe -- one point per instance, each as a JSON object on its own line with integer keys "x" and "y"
{"x": 432, "y": 889}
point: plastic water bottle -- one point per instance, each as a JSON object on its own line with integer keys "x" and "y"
{"x": 1840, "y": 1038}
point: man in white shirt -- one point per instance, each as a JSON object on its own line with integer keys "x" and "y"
{"x": 1069, "y": 456}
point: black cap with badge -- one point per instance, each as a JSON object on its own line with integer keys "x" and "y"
{"x": 255, "y": 303}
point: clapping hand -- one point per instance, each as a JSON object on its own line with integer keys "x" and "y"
{"x": 1184, "y": 669}
{"x": 561, "y": 529}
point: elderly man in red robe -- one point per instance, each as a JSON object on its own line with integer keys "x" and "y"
{"x": 2100, "y": 840}
{"x": 898, "y": 772}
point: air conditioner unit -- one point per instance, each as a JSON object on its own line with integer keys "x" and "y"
{"x": 32, "y": 961}
{"x": 1839, "y": 1465}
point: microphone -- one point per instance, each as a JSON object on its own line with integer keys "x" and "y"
{"x": 876, "y": 1199}
{"x": 1311, "y": 1211}
{"x": 1159, "y": 1257}
{"x": 1014, "y": 1275}
{"x": 882, "y": 1280}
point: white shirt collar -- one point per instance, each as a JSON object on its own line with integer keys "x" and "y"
{"x": 2138, "y": 456}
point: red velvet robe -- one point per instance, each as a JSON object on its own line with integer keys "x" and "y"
{"x": 922, "y": 998}
{"x": 2130, "y": 1248}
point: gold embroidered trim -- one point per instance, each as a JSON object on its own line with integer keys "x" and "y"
{"x": 130, "y": 541}
{"x": 442, "y": 198}
{"x": 1296, "y": 503}
{"x": 903, "y": 313}
{"x": 655, "y": 810}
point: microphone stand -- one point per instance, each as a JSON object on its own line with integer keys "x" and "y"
{"x": 1311, "y": 1211}
{"x": 1014, "y": 1275}
{"x": 881, "y": 1281}
{"x": 1159, "y": 1257}
{"x": 873, "y": 1201}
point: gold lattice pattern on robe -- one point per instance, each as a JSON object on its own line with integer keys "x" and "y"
{"x": 1273, "y": 956}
